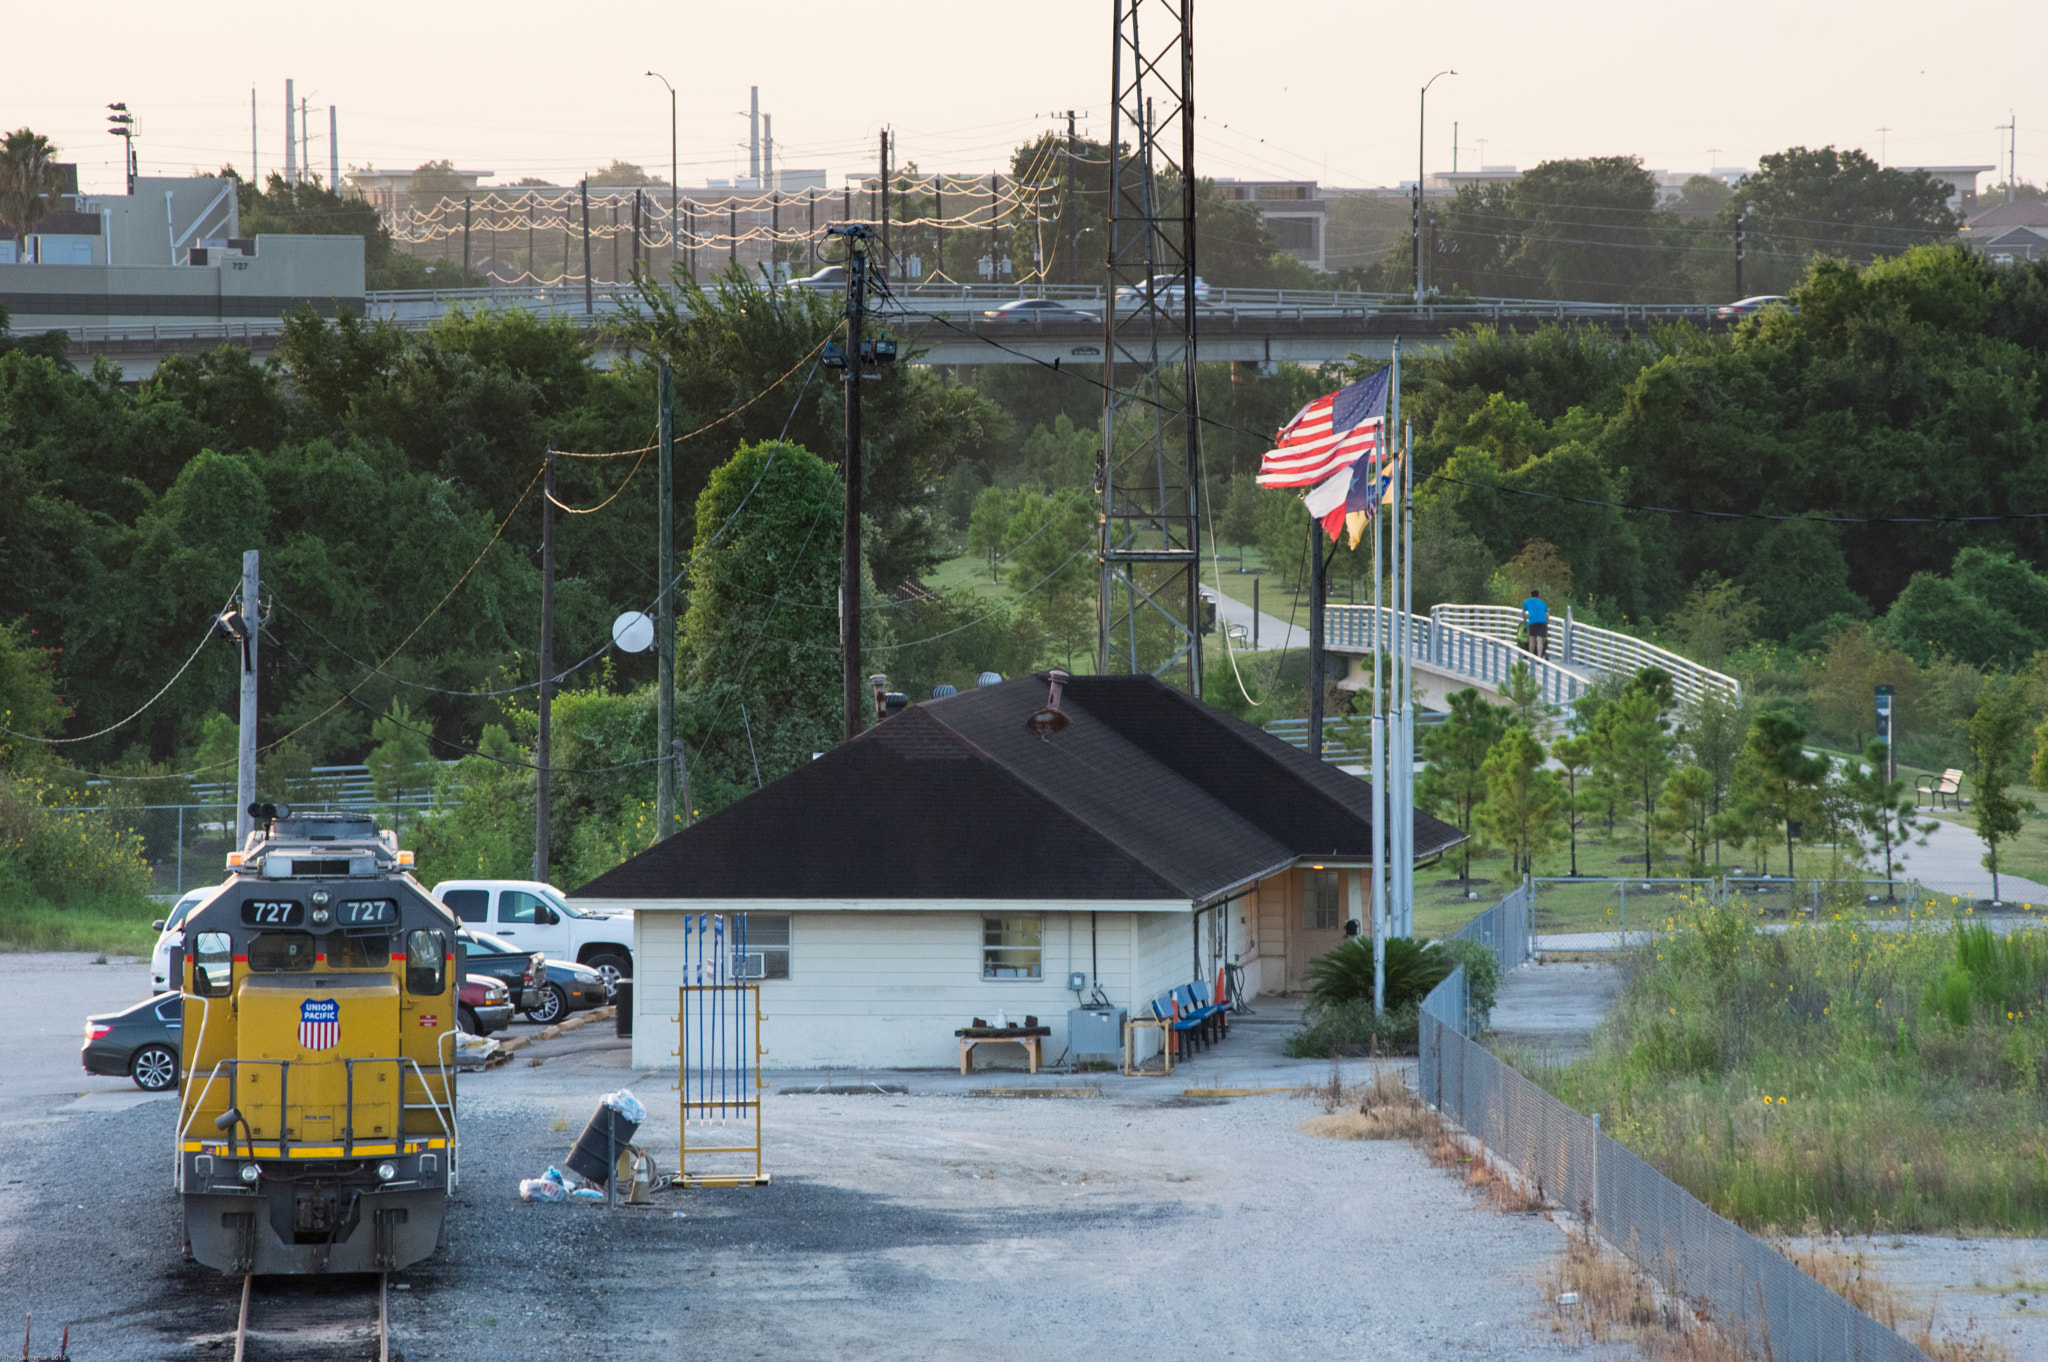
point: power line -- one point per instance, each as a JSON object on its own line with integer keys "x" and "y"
{"x": 203, "y": 641}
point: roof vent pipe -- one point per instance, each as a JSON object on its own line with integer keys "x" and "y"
{"x": 1051, "y": 719}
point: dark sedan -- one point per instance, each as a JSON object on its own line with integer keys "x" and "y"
{"x": 139, "y": 1042}
{"x": 570, "y": 987}
{"x": 521, "y": 972}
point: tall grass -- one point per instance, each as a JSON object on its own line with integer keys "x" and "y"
{"x": 1861, "y": 1078}
{"x": 69, "y": 879}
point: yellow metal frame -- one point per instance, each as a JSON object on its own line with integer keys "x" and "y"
{"x": 684, "y": 1177}
{"x": 1164, "y": 1026}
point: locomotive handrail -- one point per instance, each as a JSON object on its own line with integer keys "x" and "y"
{"x": 233, "y": 1066}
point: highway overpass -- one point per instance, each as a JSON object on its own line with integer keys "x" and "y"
{"x": 950, "y": 325}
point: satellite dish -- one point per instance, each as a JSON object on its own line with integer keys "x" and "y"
{"x": 633, "y": 632}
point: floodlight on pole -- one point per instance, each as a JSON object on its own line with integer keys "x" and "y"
{"x": 674, "y": 176}
{"x": 124, "y": 128}
{"x": 1421, "y": 126}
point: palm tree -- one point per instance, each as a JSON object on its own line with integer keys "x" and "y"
{"x": 28, "y": 180}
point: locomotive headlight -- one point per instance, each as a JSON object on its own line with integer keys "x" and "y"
{"x": 386, "y": 1172}
{"x": 319, "y": 915}
{"x": 250, "y": 1172}
{"x": 319, "y": 898}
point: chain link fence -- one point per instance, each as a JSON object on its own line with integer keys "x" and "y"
{"x": 1569, "y": 906}
{"x": 1723, "y": 1272}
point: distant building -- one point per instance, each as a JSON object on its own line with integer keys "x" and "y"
{"x": 2009, "y": 232}
{"x": 1961, "y": 181}
{"x": 1294, "y": 209}
{"x": 172, "y": 251}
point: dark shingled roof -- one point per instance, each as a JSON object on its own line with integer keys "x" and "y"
{"x": 1148, "y": 794}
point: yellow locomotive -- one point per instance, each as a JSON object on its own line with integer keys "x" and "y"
{"x": 316, "y": 1118}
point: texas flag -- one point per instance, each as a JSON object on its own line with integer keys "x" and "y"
{"x": 1352, "y": 496}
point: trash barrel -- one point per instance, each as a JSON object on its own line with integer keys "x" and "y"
{"x": 622, "y": 1000}
{"x": 607, "y": 1133}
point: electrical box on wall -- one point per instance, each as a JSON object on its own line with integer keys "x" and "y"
{"x": 1077, "y": 981}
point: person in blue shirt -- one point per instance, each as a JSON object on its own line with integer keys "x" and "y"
{"x": 1538, "y": 615}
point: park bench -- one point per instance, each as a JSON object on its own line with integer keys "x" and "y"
{"x": 1939, "y": 790}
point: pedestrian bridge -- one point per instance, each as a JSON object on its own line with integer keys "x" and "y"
{"x": 941, "y": 324}
{"x": 1456, "y": 646}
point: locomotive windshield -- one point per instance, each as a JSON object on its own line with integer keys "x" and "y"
{"x": 289, "y": 951}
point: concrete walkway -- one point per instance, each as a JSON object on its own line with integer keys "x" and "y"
{"x": 1274, "y": 632}
{"x": 1553, "y": 1009}
{"x": 1953, "y": 862}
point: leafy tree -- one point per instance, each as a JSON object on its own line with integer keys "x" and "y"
{"x": 1574, "y": 758}
{"x": 1454, "y": 780}
{"x": 1777, "y": 783}
{"x": 1237, "y": 512}
{"x": 1997, "y": 731}
{"x": 1713, "y": 621}
{"x": 1991, "y": 609}
{"x": 401, "y": 764}
{"x": 989, "y": 527}
{"x": 1710, "y": 734}
{"x": 29, "y": 180}
{"x": 623, "y": 174}
{"x": 1522, "y": 800}
{"x": 1796, "y": 577}
{"x": 1638, "y": 751}
{"x": 1881, "y": 810}
{"x": 1583, "y": 229}
{"x": 759, "y": 651}
{"x": 1684, "y": 809}
{"x": 1048, "y": 537}
{"x": 1803, "y": 202}
{"x": 30, "y": 706}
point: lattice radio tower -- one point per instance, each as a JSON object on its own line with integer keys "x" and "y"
{"x": 1149, "y": 607}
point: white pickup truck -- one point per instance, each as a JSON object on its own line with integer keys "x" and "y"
{"x": 535, "y": 916}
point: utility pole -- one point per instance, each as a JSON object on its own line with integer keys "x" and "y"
{"x": 885, "y": 202}
{"x": 1740, "y": 235}
{"x": 465, "y": 235}
{"x": 767, "y": 151}
{"x": 665, "y": 616}
{"x": 543, "y": 745}
{"x": 245, "y": 757}
{"x": 1073, "y": 217}
{"x": 852, "y": 690}
{"x": 589, "y": 299}
{"x": 754, "y": 134}
{"x": 333, "y": 151}
{"x": 255, "y": 176}
{"x": 305, "y": 139}
{"x": 291, "y": 135}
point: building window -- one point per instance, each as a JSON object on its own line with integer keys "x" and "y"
{"x": 1293, "y": 234}
{"x": 764, "y": 952}
{"x": 1270, "y": 192}
{"x": 1012, "y": 947}
{"x": 1320, "y": 901}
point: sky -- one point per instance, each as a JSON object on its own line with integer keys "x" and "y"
{"x": 1283, "y": 88}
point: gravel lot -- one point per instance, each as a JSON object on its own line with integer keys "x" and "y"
{"x": 930, "y": 1224}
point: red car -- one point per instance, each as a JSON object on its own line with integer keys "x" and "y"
{"x": 484, "y": 1005}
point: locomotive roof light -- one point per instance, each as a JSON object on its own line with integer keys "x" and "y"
{"x": 250, "y": 1172}
{"x": 234, "y": 860}
{"x": 405, "y": 858}
{"x": 386, "y": 1172}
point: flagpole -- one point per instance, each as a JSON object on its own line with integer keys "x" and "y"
{"x": 1397, "y": 700}
{"x": 1407, "y": 815}
{"x": 1315, "y": 640}
{"x": 1380, "y": 841}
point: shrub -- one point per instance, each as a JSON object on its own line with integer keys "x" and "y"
{"x": 1346, "y": 974}
{"x": 1350, "y": 1028}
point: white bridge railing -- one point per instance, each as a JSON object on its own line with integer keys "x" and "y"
{"x": 1589, "y": 647}
{"x": 1479, "y": 641}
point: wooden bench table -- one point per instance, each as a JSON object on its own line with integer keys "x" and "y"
{"x": 1032, "y": 1038}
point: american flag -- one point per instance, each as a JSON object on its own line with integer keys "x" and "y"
{"x": 319, "y": 1024}
{"x": 1330, "y": 433}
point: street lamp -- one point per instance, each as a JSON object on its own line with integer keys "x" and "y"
{"x": 674, "y": 177}
{"x": 124, "y": 128}
{"x": 1421, "y": 121}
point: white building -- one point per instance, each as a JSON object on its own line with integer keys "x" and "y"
{"x": 954, "y": 863}
{"x": 171, "y": 252}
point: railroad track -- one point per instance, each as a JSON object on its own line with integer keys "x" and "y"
{"x": 318, "y": 1323}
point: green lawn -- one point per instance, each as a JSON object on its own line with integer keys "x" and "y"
{"x": 114, "y": 926}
